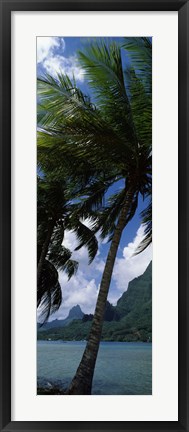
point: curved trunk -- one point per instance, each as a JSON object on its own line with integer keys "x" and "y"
{"x": 82, "y": 381}
{"x": 44, "y": 250}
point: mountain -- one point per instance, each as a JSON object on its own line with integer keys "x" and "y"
{"x": 138, "y": 294}
{"x": 134, "y": 309}
{"x": 129, "y": 320}
{"x": 74, "y": 313}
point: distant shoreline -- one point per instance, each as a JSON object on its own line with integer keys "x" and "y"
{"x": 102, "y": 341}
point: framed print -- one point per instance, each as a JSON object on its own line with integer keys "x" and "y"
{"x": 93, "y": 159}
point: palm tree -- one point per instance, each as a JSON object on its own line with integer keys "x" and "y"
{"x": 55, "y": 215}
{"x": 115, "y": 135}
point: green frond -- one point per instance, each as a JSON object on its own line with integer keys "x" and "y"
{"x": 103, "y": 66}
{"x": 51, "y": 199}
{"x": 86, "y": 237}
{"x": 58, "y": 233}
{"x": 94, "y": 196}
{"x": 59, "y": 100}
{"x": 139, "y": 50}
{"x": 49, "y": 293}
{"x": 75, "y": 143}
{"x": 132, "y": 210}
{"x": 147, "y": 222}
{"x": 107, "y": 217}
{"x": 70, "y": 267}
{"x": 58, "y": 255}
{"x": 141, "y": 107}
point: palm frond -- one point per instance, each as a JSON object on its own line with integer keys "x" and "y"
{"x": 139, "y": 50}
{"x": 147, "y": 222}
{"x": 86, "y": 237}
{"x": 103, "y": 66}
{"x": 70, "y": 267}
{"x": 58, "y": 255}
{"x": 141, "y": 107}
{"x": 59, "y": 100}
{"x": 107, "y": 217}
{"x": 94, "y": 196}
{"x": 76, "y": 155}
{"x": 49, "y": 293}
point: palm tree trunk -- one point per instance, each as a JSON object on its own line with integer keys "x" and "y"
{"x": 45, "y": 249}
{"x": 82, "y": 381}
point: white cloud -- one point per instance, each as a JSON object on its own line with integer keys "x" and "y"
{"x": 78, "y": 290}
{"x": 131, "y": 266}
{"x": 47, "y": 45}
{"x": 68, "y": 66}
{"x": 49, "y": 55}
{"x": 83, "y": 288}
{"x": 71, "y": 242}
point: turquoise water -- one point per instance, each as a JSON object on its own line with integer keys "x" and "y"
{"x": 122, "y": 368}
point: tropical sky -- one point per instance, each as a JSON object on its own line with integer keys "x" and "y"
{"x": 55, "y": 54}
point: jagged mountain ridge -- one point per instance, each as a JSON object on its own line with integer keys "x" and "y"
{"x": 130, "y": 319}
{"x": 74, "y": 313}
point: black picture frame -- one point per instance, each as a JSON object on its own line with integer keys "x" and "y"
{"x": 182, "y": 6}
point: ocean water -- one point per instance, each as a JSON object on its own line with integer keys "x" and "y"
{"x": 122, "y": 368}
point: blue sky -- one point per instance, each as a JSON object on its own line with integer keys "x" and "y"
{"x": 55, "y": 54}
